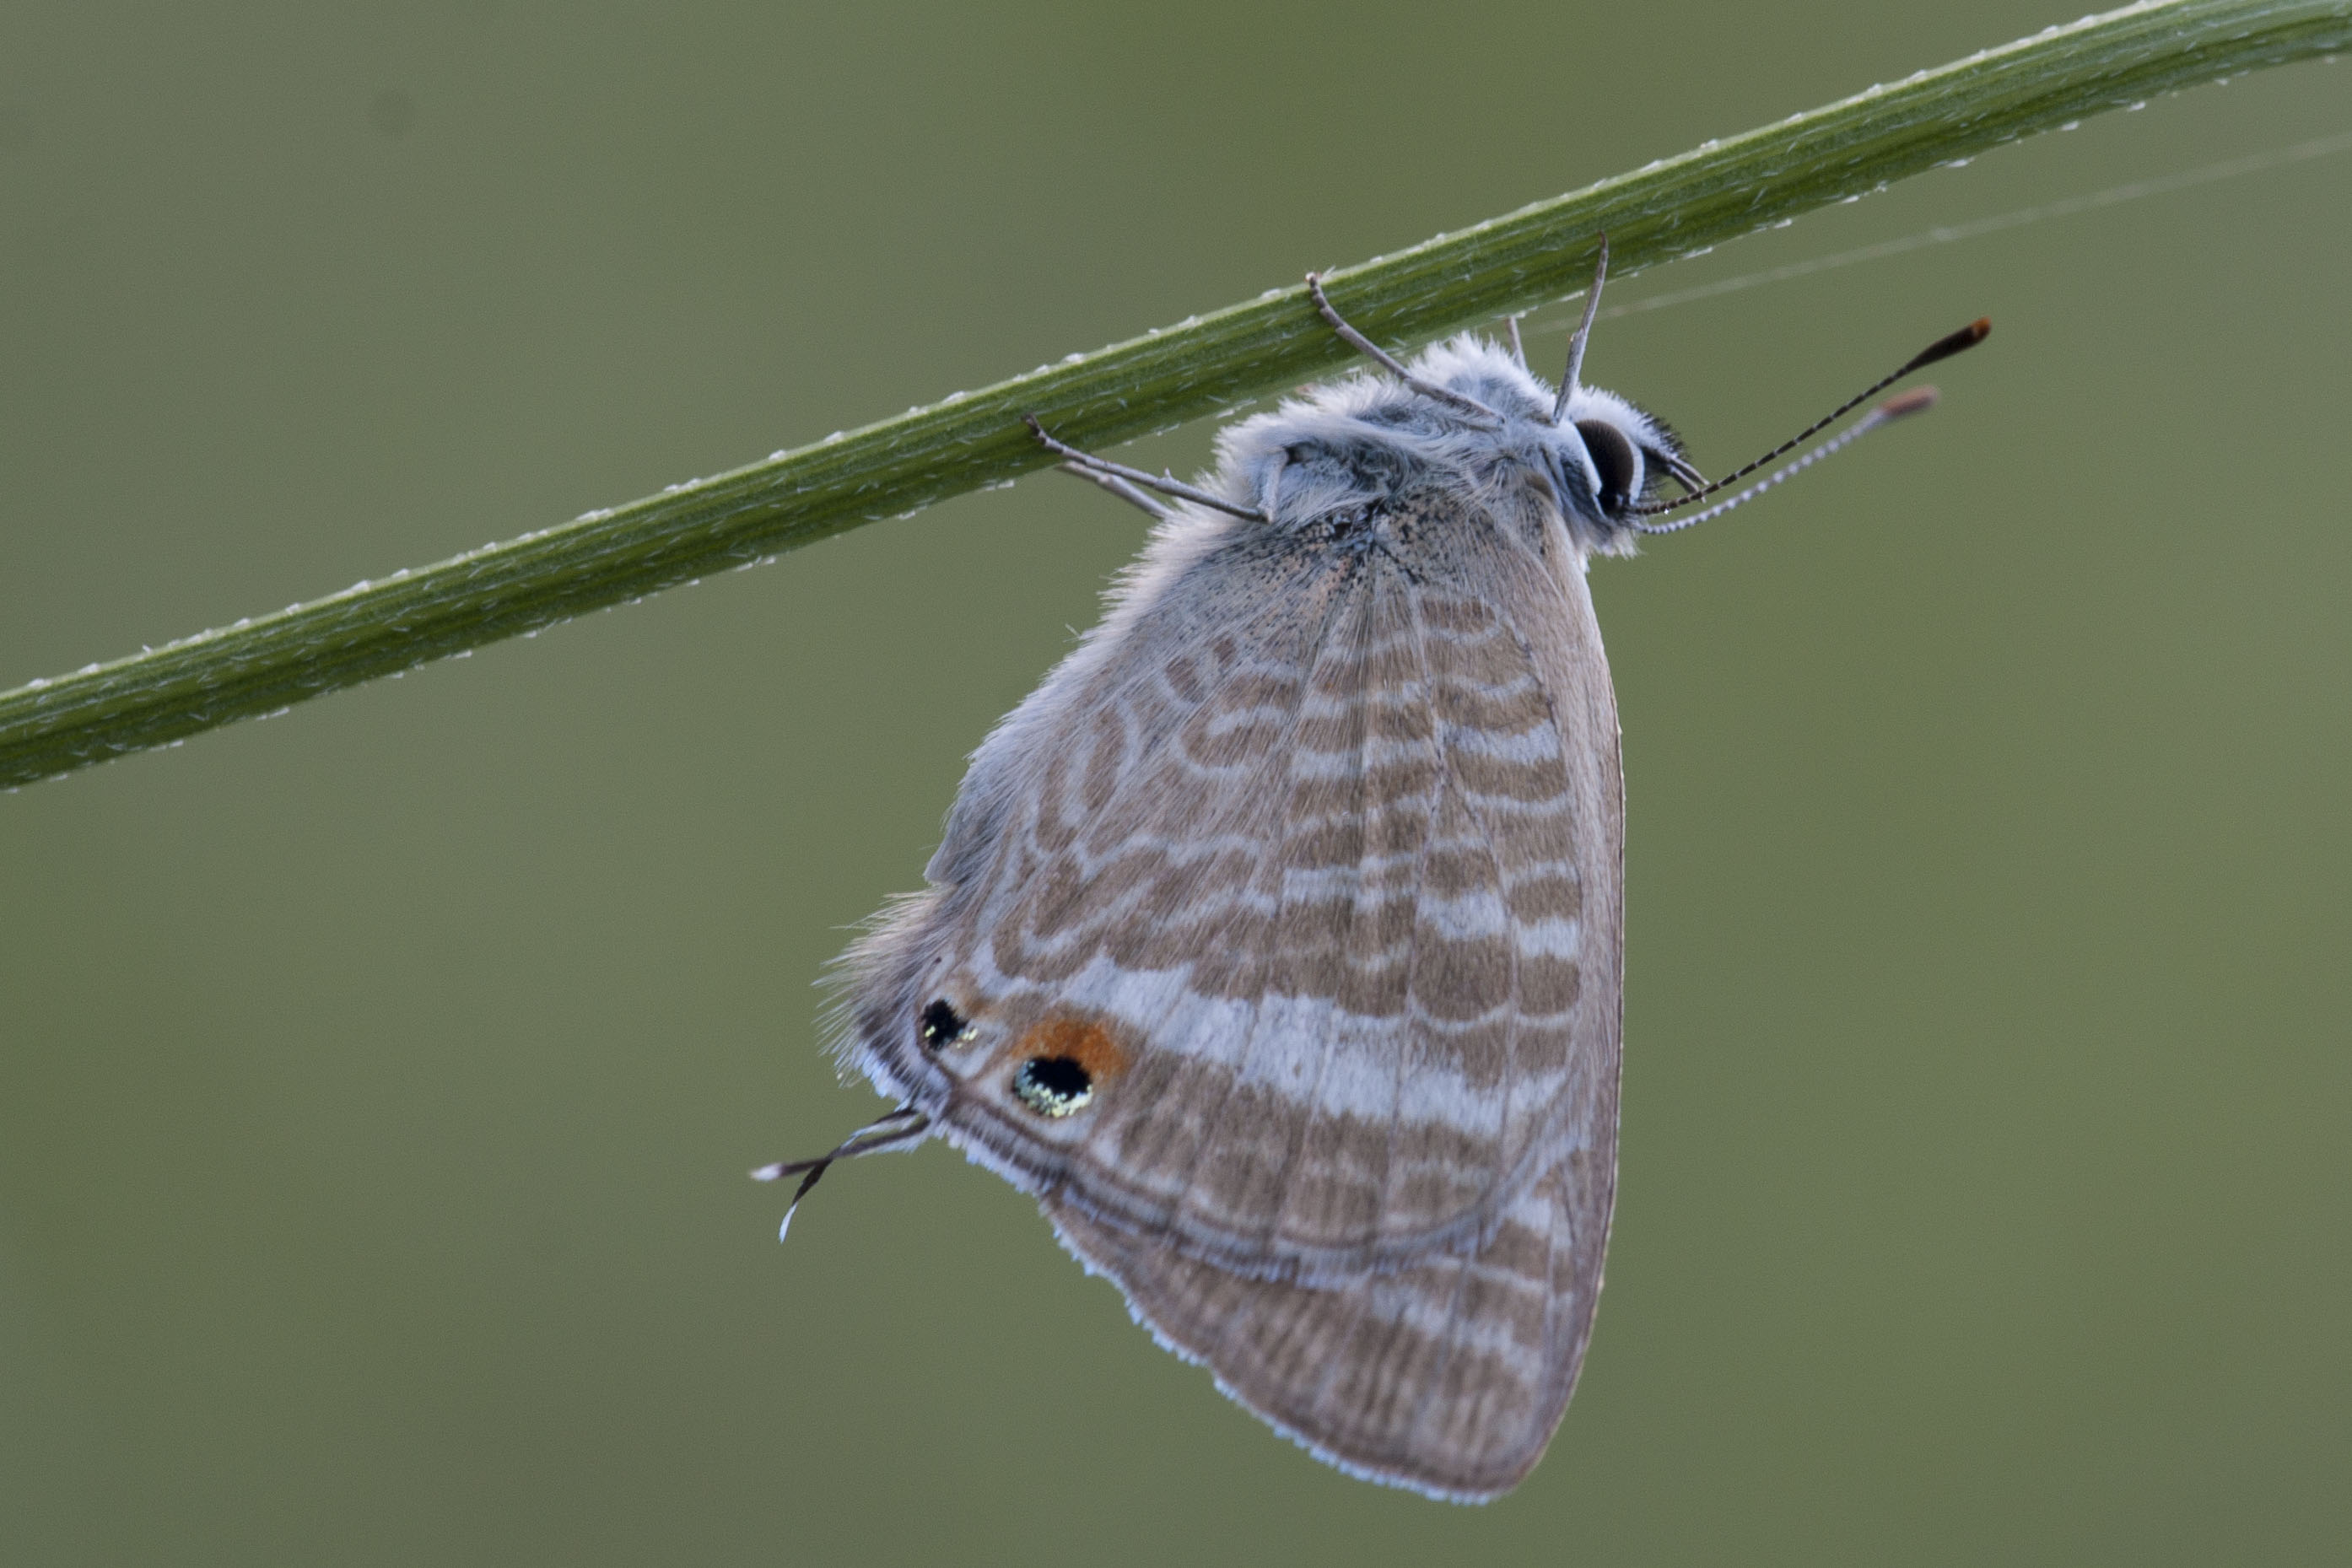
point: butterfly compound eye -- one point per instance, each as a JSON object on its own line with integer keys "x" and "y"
{"x": 940, "y": 1026}
{"x": 1053, "y": 1085}
{"x": 1613, "y": 457}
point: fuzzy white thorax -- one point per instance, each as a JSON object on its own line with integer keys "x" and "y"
{"x": 1346, "y": 445}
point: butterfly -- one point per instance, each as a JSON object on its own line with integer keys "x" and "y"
{"x": 1275, "y": 941}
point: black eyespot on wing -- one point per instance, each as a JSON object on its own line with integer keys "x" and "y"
{"x": 940, "y": 1026}
{"x": 1053, "y": 1085}
{"x": 1614, "y": 455}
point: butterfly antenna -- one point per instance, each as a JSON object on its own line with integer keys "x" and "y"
{"x": 895, "y": 1130}
{"x": 1572, "y": 378}
{"x": 1943, "y": 348}
{"x": 1918, "y": 401}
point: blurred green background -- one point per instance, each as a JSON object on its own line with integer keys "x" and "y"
{"x": 376, "y": 1083}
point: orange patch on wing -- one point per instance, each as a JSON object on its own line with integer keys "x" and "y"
{"x": 1082, "y": 1040}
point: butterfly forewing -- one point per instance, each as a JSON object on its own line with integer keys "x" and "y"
{"x": 1319, "y": 884}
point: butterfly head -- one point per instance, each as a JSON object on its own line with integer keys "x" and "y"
{"x": 1365, "y": 444}
{"x": 1598, "y": 454}
{"x": 1628, "y": 455}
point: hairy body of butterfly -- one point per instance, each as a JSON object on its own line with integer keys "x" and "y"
{"x": 1275, "y": 941}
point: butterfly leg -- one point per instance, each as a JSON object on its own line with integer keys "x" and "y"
{"x": 1572, "y": 378}
{"x": 1389, "y": 363}
{"x": 1123, "y": 490}
{"x": 1102, "y": 470}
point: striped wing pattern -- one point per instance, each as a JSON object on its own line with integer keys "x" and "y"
{"x": 1447, "y": 1376}
{"x": 1323, "y": 907}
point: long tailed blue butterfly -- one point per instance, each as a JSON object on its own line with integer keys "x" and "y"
{"x": 1276, "y": 940}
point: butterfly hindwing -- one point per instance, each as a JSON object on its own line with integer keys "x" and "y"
{"x": 1447, "y": 1376}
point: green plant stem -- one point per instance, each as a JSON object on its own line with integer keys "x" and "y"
{"x": 1541, "y": 253}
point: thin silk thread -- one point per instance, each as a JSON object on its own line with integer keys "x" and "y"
{"x": 1949, "y": 234}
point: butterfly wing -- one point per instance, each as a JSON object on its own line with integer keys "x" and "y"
{"x": 1280, "y": 927}
{"x": 1448, "y": 1375}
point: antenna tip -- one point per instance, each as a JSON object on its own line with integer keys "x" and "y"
{"x": 1944, "y": 347}
{"x": 768, "y": 1173}
{"x": 1918, "y": 399}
